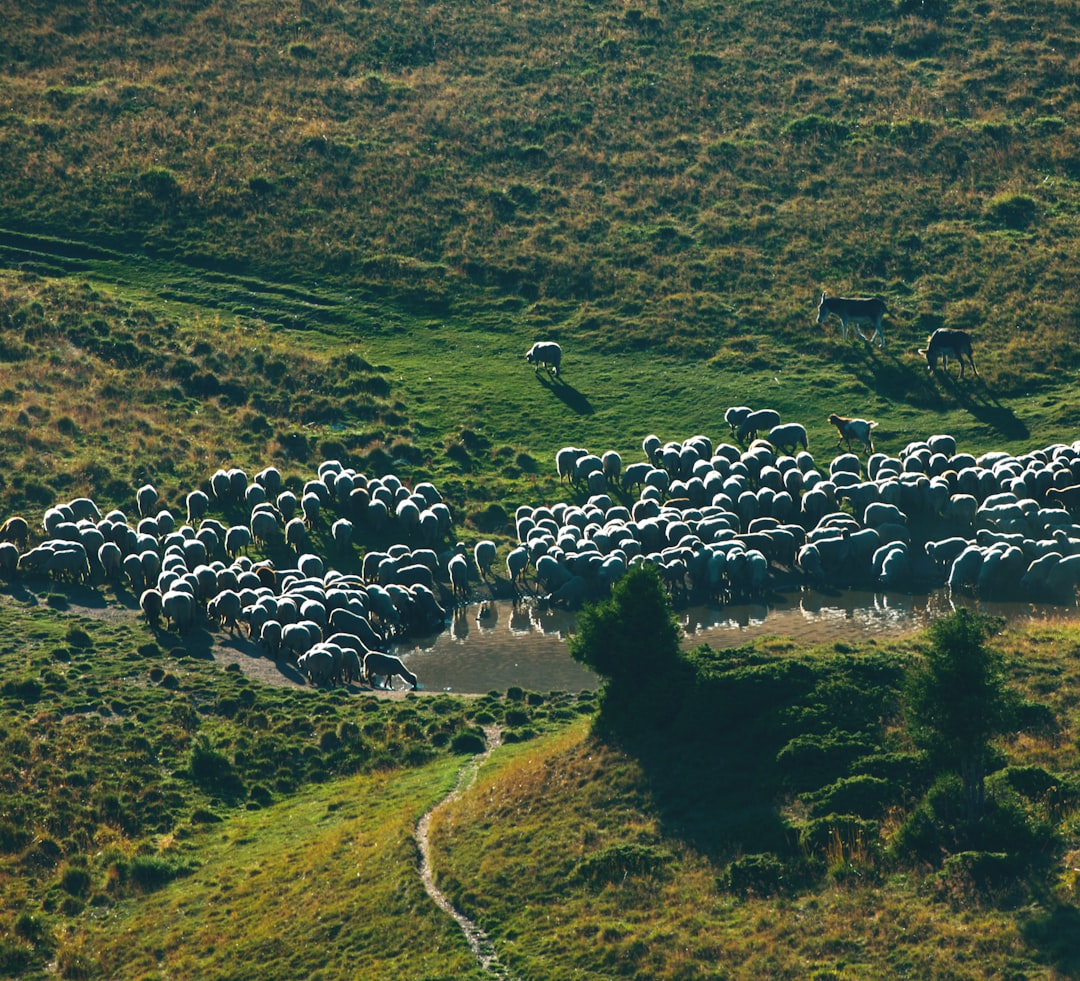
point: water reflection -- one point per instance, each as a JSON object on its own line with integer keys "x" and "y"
{"x": 518, "y": 643}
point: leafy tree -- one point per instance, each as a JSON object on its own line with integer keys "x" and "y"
{"x": 632, "y": 641}
{"x": 957, "y": 702}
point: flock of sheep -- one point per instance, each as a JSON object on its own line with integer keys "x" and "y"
{"x": 738, "y": 519}
{"x": 196, "y": 572}
{"x": 722, "y": 522}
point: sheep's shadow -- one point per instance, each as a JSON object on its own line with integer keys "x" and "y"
{"x": 575, "y": 400}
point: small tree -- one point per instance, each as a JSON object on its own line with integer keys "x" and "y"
{"x": 957, "y": 702}
{"x": 632, "y": 641}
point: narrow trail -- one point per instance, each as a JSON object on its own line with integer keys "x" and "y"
{"x": 478, "y": 941}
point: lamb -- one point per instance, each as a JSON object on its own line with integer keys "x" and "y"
{"x": 547, "y": 354}
{"x": 853, "y": 429}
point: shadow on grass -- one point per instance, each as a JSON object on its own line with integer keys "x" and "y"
{"x": 576, "y": 401}
{"x": 1055, "y": 934}
{"x": 713, "y": 801}
{"x": 896, "y": 379}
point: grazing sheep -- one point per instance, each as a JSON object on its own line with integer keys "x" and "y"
{"x": 9, "y": 559}
{"x": 264, "y": 525}
{"x": 318, "y": 665}
{"x": 517, "y": 562}
{"x": 237, "y": 538}
{"x": 458, "y": 570}
{"x": 146, "y": 498}
{"x": 1066, "y": 497}
{"x": 566, "y": 461}
{"x": 547, "y": 354}
{"x": 15, "y": 530}
{"x": 311, "y": 505}
{"x": 789, "y": 435}
{"x": 378, "y": 664}
{"x": 853, "y": 429}
{"x": 755, "y": 422}
{"x": 178, "y": 607}
{"x": 484, "y": 554}
{"x": 270, "y": 637}
{"x": 150, "y": 603}
{"x": 612, "y": 465}
{"x": 341, "y": 531}
{"x": 735, "y": 416}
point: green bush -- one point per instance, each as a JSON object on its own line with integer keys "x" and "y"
{"x": 755, "y": 875}
{"x": 615, "y": 863}
{"x": 863, "y": 795}
{"x": 150, "y": 872}
{"x": 468, "y": 743}
{"x": 76, "y": 881}
{"x": 812, "y": 760}
{"x": 1012, "y": 211}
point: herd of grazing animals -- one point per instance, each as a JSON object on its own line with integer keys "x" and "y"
{"x": 722, "y": 522}
{"x": 738, "y": 520}
{"x": 336, "y": 627}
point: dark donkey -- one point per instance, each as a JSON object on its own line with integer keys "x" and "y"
{"x": 867, "y": 310}
{"x": 945, "y": 343}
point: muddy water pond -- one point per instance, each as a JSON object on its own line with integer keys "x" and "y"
{"x": 521, "y": 644}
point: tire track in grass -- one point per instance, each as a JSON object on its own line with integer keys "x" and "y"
{"x": 478, "y": 941}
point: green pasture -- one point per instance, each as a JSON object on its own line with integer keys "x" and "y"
{"x": 246, "y": 234}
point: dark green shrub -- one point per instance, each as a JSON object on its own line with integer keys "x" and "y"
{"x": 468, "y": 743}
{"x": 812, "y": 760}
{"x": 160, "y": 183}
{"x": 75, "y": 880}
{"x": 78, "y": 637}
{"x": 26, "y": 690}
{"x": 755, "y": 875}
{"x": 211, "y": 770}
{"x": 16, "y": 956}
{"x": 1011, "y": 211}
{"x": 615, "y": 863}
{"x": 149, "y": 872}
{"x": 982, "y": 871}
{"x": 862, "y": 795}
{"x": 815, "y": 126}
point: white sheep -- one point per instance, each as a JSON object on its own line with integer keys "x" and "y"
{"x": 547, "y": 354}
{"x": 789, "y": 435}
{"x": 484, "y": 554}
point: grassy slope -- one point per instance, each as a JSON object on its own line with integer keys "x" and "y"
{"x": 542, "y": 814}
{"x": 330, "y": 229}
{"x": 324, "y": 885}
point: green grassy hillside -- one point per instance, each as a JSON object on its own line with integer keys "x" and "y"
{"x": 241, "y": 234}
{"x": 665, "y": 190}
